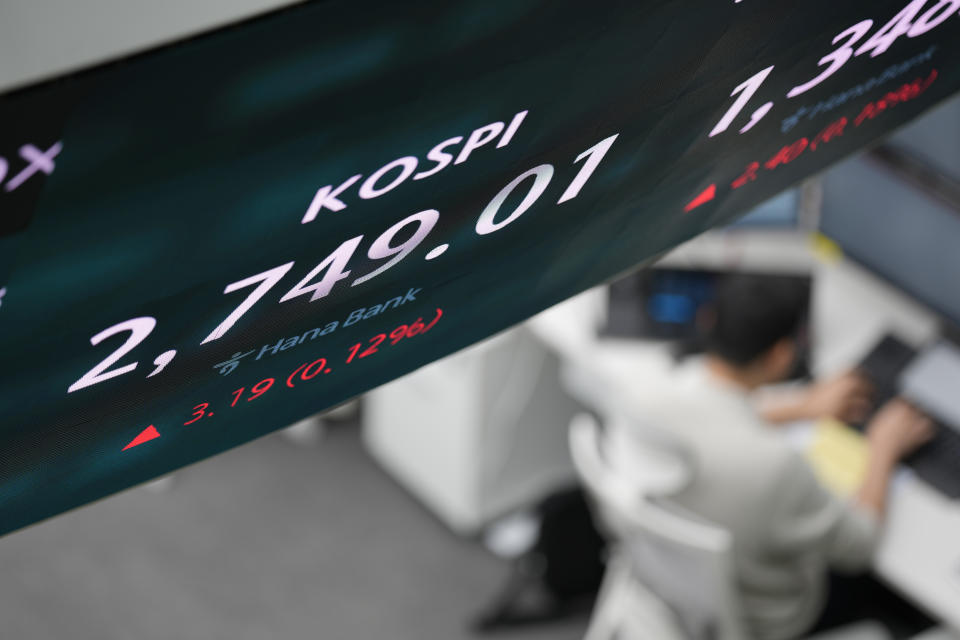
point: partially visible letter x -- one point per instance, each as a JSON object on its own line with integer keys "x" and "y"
{"x": 38, "y": 161}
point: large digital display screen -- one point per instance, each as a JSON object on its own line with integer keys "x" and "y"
{"x": 207, "y": 242}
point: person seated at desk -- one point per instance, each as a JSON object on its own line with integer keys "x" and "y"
{"x": 789, "y": 531}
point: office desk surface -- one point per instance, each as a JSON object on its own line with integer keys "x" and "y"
{"x": 919, "y": 554}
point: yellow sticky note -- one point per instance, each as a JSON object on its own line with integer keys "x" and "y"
{"x": 825, "y": 249}
{"x": 838, "y": 455}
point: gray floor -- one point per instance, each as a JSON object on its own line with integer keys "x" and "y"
{"x": 265, "y": 541}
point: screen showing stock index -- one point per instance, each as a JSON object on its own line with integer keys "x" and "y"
{"x": 210, "y": 241}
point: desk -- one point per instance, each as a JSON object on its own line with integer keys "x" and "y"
{"x": 919, "y": 554}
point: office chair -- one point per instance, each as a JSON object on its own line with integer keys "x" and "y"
{"x": 671, "y": 575}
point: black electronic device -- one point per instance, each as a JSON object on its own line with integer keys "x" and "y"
{"x": 672, "y": 304}
{"x": 938, "y": 461}
{"x": 659, "y": 303}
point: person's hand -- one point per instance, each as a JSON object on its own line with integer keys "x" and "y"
{"x": 897, "y": 430}
{"x": 846, "y": 398}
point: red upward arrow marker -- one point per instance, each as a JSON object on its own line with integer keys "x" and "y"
{"x": 708, "y": 194}
{"x": 146, "y": 435}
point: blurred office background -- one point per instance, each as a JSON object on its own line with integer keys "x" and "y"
{"x": 402, "y": 515}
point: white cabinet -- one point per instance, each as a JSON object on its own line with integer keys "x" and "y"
{"x": 477, "y": 434}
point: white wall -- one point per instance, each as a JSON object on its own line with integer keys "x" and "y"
{"x": 40, "y": 39}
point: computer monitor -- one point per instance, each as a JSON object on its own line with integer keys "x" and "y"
{"x": 896, "y": 230}
{"x": 659, "y": 303}
{"x": 663, "y": 303}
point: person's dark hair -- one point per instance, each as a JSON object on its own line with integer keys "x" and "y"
{"x": 751, "y": 313}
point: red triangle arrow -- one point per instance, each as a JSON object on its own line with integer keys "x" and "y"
{"x": 708, "y": 194}
{"x": 146, "y": 435}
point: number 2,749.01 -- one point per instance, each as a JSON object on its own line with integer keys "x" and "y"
{"x": 334, "y": 267}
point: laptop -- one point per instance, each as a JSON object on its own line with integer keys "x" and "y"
{"x": 662, "y": 303}
{"x": 930, "y": 379}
